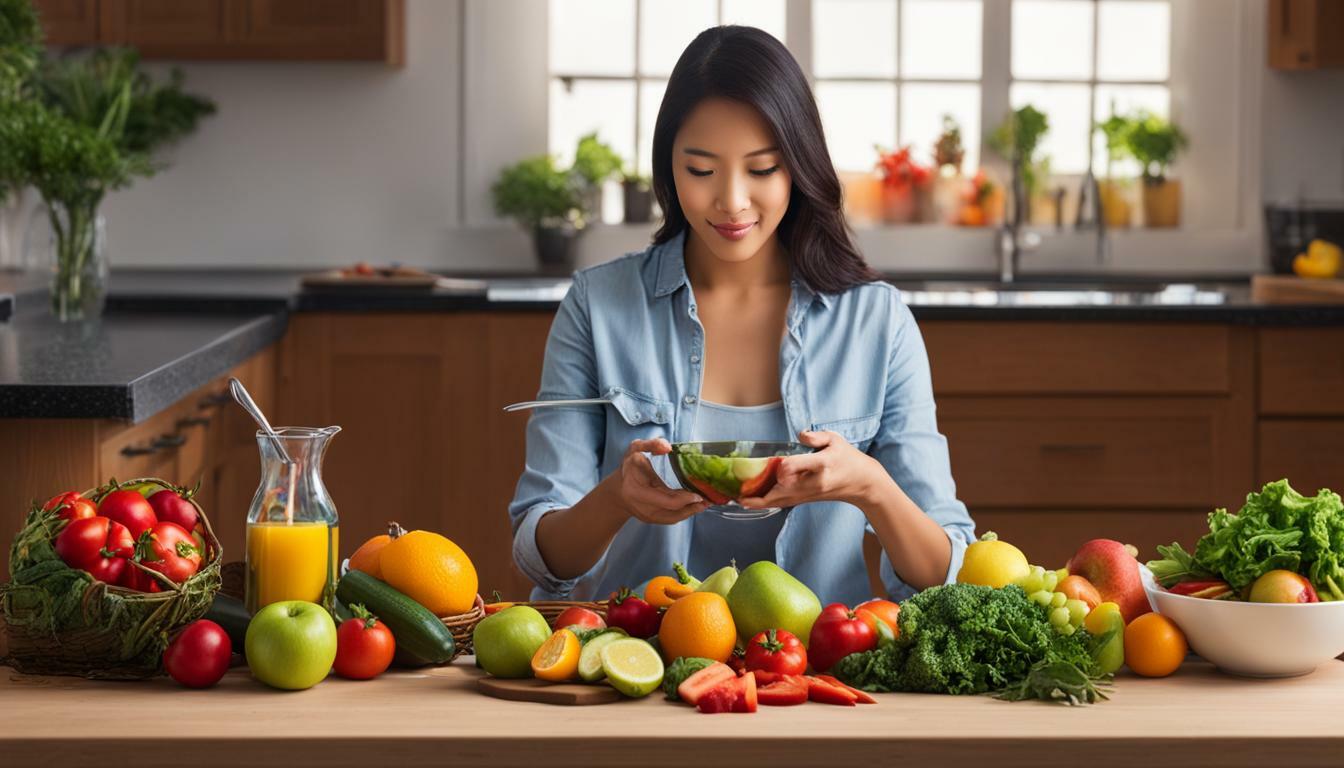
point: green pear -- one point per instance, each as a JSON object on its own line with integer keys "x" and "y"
{"x": 766, "y": 596}
{"x": 721, "y": 581}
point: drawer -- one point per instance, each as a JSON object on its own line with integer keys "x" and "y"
{"x": 1302, "y": 371}
{"x": 978, "y": 358}
{"x": 1309, "y": 453}
{"x": 1056, "y": 453}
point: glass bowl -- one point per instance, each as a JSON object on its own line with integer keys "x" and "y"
{"x": 722, "y": 470}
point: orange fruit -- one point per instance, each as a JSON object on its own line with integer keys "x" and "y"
{"x": 432, "y": 571}
{"x": 698, "y": 624}
{"x": 662, "y": 591}
{"x": 883, "y": 610}
{"x": 557, "y": 659}
{"x": 368, "y": 558}
{"x": 1154, "y": 645}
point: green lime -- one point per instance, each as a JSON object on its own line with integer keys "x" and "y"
{"x": 632, "y": 666}
{"x": 590, "y": 660}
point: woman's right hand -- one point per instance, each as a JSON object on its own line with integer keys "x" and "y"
{"x": 644, "y": 494}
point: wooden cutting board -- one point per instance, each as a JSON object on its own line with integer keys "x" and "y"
{"x": 531, "y": 689}
{"x": 1290, "y": 289}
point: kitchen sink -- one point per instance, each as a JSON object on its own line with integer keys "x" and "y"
{"x": 1062, "y": 294}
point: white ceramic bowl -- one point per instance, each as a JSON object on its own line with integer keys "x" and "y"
{"x": 1256, "y": 639}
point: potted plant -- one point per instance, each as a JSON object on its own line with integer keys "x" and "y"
{"x": 1114, "y": 192}
{"x": 20, "y": 52}
{"x": 1016, "y": 140}
{"x": 1155, "y": 142}
{"x": 594, "y": 163}
{"x": 548, "y": 203}
{"x": 948, "y": 185}
{"x": 904, "y": 184}
{"x": 90, "y": 126}
{"x": 637, "y": 189}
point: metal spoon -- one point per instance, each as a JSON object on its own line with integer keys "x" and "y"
{"x": 529, "y": 404}
{"x": 244, "y": 399}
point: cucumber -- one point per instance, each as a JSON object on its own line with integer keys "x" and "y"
{"x": 421, "y": 638}
{"x": 232, "y": 616}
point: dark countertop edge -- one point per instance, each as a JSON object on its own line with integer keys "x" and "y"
{"x": 1252, "y": 315}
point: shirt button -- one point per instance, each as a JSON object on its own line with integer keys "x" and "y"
{"x": 695, "y": 358}
{"x": 689, "y": 399}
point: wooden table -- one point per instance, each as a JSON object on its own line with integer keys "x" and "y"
{"x": 1196, "y": 717}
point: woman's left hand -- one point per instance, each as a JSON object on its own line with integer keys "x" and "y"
{"x": 836, "y": 471}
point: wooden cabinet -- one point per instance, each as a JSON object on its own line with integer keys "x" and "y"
{"x": 1310, "y": 453}
{"x": 191, "y": 440}
{"x": 1306, "y": 34}
{"x": 1301, "y": 372}
{"x": 307, "y": 30}
{"x": 423, "y": 440}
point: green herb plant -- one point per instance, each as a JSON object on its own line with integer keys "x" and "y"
{"x": 537, "y": 193}
{"x": 1017, "y": 138}
{"x": 1154, "y": 142}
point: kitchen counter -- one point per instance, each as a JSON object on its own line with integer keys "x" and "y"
{"x": 167, "y": 332}
{"x": 1196, "y": 717}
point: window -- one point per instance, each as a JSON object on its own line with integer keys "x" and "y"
{"x": 886, "y": 71}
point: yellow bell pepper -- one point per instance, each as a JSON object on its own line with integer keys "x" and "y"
{"x": 1321, "y": 260}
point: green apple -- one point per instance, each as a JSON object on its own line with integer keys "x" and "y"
{"x": 506, "y": 641}
{"x": 291, "y": 644}
{"x": 721, "y": 581}
{"x": 766, "y": 596}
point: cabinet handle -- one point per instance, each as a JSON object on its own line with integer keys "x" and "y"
{"x": 169, "y": 441}
{"x": 193, "y": 421}
{"x": 1072, "y": 448}
{"x": 133, "y": 450}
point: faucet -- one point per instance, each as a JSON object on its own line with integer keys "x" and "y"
{"x": 1012, "y": 240}
{"x": 1092, "y": 214}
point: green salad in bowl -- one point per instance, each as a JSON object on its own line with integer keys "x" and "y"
{"x": 725, "y": 472}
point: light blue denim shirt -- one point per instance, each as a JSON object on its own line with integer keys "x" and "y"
{"x": 853, "y": 363}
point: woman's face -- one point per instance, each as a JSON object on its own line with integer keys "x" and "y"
{"x": 730, "y": 178}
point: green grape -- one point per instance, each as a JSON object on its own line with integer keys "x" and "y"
{"x": 1034, "y": 581}
{"x": 1040, "y": 597}
{"x": 1061, "y": 574}
{"x": 1059, "y": 617}
{"x": 1058, "y": 599}
{"x": 1077, "y": 611}
{"x": 1066, "y": 630}
{"x": 1049, "y": 580}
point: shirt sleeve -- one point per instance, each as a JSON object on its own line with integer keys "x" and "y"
{"x": 913, "y": 451}
{"x": 564, "y": 444}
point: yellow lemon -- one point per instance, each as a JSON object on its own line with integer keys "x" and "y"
{"x": 992, "y": 563}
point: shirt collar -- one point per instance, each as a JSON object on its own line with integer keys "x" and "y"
{"x": 671, "y": 274}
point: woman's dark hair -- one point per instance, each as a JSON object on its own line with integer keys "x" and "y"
{"x": 749, "y": 65}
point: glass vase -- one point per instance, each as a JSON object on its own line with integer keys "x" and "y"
{"x": 71, "y": 241}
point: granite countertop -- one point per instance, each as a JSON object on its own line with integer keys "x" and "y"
{"x": 167, "y": 332}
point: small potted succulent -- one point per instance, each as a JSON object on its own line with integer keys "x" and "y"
{"x": 1155, "y": 142}
{"x": 547, "y": 202}
{"x": 637, "y": 189}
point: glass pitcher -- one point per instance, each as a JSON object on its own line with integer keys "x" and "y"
{"x": 292, "y": 528}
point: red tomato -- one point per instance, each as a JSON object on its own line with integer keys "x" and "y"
{"x": 364, "y": 646}
{"x": 136, "y": 579}
{"x": 97, "y": 545}
{"x": 777, "y": 650}
{"x": 130, "y": 509}
{"x": 884, "y": 610}
{"x": 838, "y": 632}
{"x": 633, "y": 614}
{"x": 72, "y": 506}
{"x": 199, "y": 655}
{"x": 171, "y": 550}
{"x": 171, "y": 506}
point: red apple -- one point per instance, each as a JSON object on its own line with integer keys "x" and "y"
{"x": 1112, "y": 569}
{"x": 1280, "y": 586}
{"x": 581, "y": 616}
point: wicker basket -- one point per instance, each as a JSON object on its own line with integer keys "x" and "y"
{"x": 463, "y": 625}
{"x": 551, "y": 609}
{"x": 60, "y": 621}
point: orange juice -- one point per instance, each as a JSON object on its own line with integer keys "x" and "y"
{"x": 290, "y": 561}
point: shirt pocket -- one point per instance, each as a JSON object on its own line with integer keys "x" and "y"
{"x": 639, "y": 410}
{"x": 858, "y": 430}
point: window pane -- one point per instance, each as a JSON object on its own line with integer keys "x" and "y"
{"x": 651, "y": 97}
{"x": 592, "y": 105}
{"x": 940, "y": 39}
{"x": 666, "y": 27}
{"x": 1067, "y": 108}
{"x": 856, "y": 116}
{"x": 766, "y": 14}
{"x": 592, "y": 37}
{"x": 1052, "y": 39}
{"x": 1135, "y": 40}
{"x": 922, "y": 109}
{"x": 854, "y": 37}
{"x": 1125, "y": 100}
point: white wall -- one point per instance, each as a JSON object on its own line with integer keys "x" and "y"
{"x": 315, "y": 164}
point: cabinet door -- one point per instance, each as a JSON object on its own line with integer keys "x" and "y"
{"x": 370, "y": 30}
{"x": 69, "y": 22}
{"x": 1305, "y": 34}
{"x": 166, "y": 28}
{"x": 1309, "y": 453}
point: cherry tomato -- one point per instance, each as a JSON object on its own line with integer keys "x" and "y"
{"x": 364, "y": 646}
{"x": 97, "y": 545}
{"x": 130, "y": 509}
{"x": 199, "y": 655}
{"x": 169, "y": 549}
{"x": 778, "y": 651}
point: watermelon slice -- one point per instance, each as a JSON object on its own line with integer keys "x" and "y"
{"x": 737, "y": 694}
{"x": 700, "y": 683}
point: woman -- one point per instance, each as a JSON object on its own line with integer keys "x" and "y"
{"x": 752, "y": 316}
